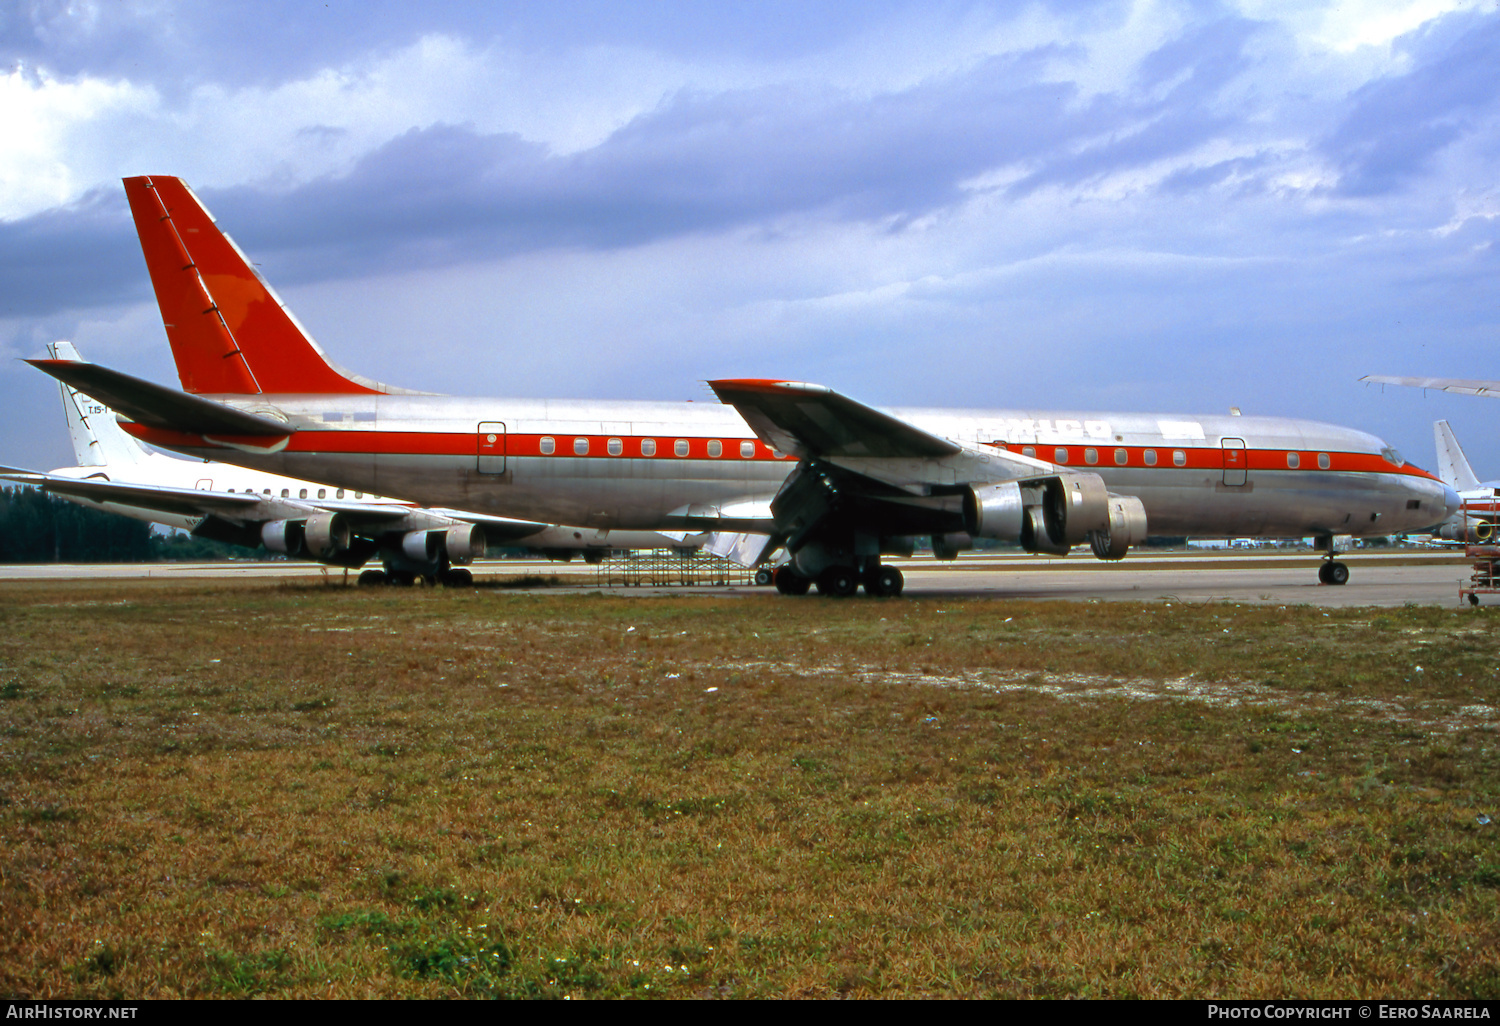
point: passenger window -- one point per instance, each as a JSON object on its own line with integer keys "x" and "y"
{"x": 648, "y": 447}
{"x": 548, "y": 445}
{"x": 580, "y": 447}
{"x": 1029, "y": 450}
{"x": 747, "y": 450}
{"x": 285, "y": 493}
{"x": 268, "y": 491}
{"x": 715, "y": 447}
{"x": 359, "y": 495}
{"x": 1148, "y": 457}
{"x": 615, "y": 446}
{"x": 680, "y": 447}
{"x": 1120, "y": 457}
{"x": 339, "y": 494}
{"x": 1293, "y": 461}
{"x": 1179, "y": 458}
{"x": 322, "y": 493}
{"x": 1091, "y": 456}
{"x": 1323, "y": 461}
{"x": 1059, "y": 455}
{"x": 302, "y": 494}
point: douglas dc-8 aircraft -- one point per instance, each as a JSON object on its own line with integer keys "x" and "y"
{"x": 298, "y": 518}
{"x": 782, "y": 463}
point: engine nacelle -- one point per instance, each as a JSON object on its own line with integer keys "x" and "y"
{"x": 326, "y": 535}
{"x": 1050, "y": 514}
{"x": 1477, "y": 530}
{"x": 284, "y": 536}
{"x": 463, "y": 543}
{"x": 1127, "y": 527}
{"x": 421, "y": 546}
{"x": 995, "y": 510}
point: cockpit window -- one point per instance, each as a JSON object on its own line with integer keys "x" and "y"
{"x": 1392, "y": 456}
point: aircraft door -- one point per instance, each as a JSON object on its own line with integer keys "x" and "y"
{"x": 1235, "y": 462}
{"x": 491, "y": 447}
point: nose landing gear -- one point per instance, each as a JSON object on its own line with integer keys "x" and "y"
{"x": 1332, "y": 571}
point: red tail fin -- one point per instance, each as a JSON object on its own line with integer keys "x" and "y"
{"x": 229, "y": 332}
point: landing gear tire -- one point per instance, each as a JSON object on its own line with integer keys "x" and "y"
{"x": 764, "y": 576}
{"x": 371, "y": 578}
{"x": 457, "y": 577}
{"x": 838, "y": 582}
{"x": 790, "y": 582}
{"x": 884, "y": 582}
{"x": 1473, "y": 599}
{"x": 1333, "y": 572}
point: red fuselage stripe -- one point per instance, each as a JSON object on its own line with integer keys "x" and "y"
{"x": 430, "y": 443}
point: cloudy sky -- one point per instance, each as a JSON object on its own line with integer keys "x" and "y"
{"x": 1174, "y": 206}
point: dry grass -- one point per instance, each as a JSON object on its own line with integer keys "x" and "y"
{"x": 300, "y": 791}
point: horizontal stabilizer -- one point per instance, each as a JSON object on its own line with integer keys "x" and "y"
{"x": 148, "y": 403}
{"x": 812, "y": 421}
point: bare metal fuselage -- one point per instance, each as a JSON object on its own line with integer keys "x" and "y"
{"x": 645, "y": 465}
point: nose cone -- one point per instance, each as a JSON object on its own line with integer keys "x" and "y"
{"x": 1451, "y": 501}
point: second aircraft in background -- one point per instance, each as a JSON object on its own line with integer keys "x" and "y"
{"x": 298, "y": 518}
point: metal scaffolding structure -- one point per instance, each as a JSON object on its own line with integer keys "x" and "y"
{"x": 1484, "y": 553}
{"x": 669, "y": 568}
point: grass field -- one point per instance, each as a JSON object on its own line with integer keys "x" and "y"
{"x": 302, "y": 791}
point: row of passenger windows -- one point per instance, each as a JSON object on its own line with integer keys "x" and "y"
{"x": 286, "y": 493}
{"x": 1179, "y": 458}
{"x": 616, "y": 447}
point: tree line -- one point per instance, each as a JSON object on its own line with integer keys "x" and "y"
{"x": 39, "y": 528}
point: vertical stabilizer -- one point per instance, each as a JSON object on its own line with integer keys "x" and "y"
{"x": 98, "y": 440}
{"x": 229, "y": 332}
{"x": 1452, "y": 465}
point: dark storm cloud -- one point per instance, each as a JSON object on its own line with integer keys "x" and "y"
{"x": 698, "y": 163}
{"x": 84, "y": 254}
{"x": 1397, "y": 125}
{"x": 177, "y": 45}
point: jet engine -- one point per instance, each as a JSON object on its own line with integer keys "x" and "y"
{"x": 1127, "y": 527}
{"x": 322, "y": 537}
{"x": 326, "y": 535}
{"x": 421, "y": 546}
{"x": 284, "y": 536}
{"x": 1477, "y": 531}
{"x": 463, "y": 543}
{"x": 1050, "y": 514}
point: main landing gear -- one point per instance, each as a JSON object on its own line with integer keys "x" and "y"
{"x": 879, "y": 581}
{"x": 453, "y": 577}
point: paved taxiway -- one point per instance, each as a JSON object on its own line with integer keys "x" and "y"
{"x": 1375, "y": 578}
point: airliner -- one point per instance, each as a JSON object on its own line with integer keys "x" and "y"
{"x": 298, "y": 518}
{"x": 780, "y": 465}
{"x": 1478, "y": 520}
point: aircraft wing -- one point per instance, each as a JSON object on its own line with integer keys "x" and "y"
{"x": 1458, "y": 386}
{"x": 163, "y": 499}
{"x": 155, "y": 406}
{"x": 812, "y": 421}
